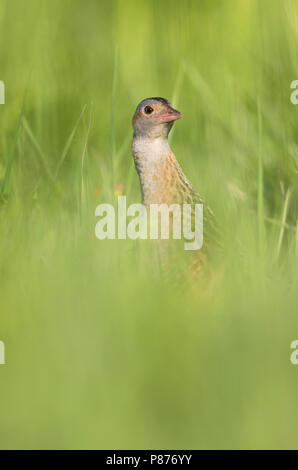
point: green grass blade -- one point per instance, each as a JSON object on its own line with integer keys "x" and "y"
{"x": 113, "y": 107}
{"x": 69, "y": 142}
{"x": 283, "y": 221}
{"x": 12, "y": 153}
{"x": 176, "y": 94}
{"x": 83, "y": 193}
{"x": 39, "y": 151}
{"x": 260, "y": 204}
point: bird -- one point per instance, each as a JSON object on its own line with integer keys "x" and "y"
{"x": 162, "y": 180}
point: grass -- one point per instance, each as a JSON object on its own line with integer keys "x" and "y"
{"x": 101, "y": 350}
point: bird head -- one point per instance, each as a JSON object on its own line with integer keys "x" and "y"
{"x": 154, "y": 118}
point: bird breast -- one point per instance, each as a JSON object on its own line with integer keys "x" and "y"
{"x": 159, "y": 173}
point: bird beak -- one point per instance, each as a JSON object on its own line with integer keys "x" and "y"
{"x": 170, "y": 115}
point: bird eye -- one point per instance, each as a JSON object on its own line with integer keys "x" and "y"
{"x": 148, "y": 110}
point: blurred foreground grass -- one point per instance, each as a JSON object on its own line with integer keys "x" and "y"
{"x": 101, "y": 351}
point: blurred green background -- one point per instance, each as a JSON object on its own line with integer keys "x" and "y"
{"x": 102, "y": 351}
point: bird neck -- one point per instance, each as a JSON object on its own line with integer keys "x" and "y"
{"x": 147, "y": 151}
{"x": 157, "y": 169}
